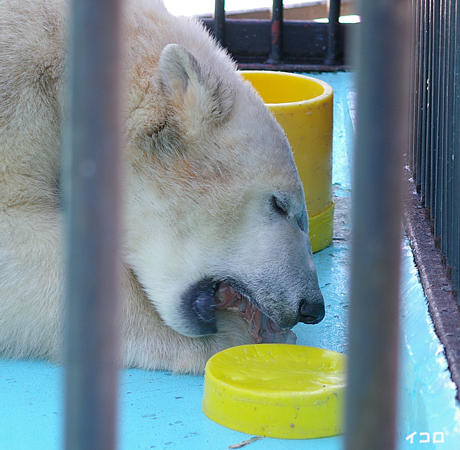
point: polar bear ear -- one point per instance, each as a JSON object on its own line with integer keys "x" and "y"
{"x": 194, "y": 93}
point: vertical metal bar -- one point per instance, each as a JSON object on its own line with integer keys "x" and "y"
{"x": 435, "y": 105}
{"x": 456, "y": 150}
{"x": 219, "y": 21}
{"x": 429, "y": 191}
{"x": 420, "y": 106}
{"x": 276, "y": 33}
{"x": 452, "y": 120}
{"x": 93, "y": 164}
{"x": 434, "y": 109}
{"x": 415, "y": 90}
{"x": 381, "y": 139}
{"x": 427, "y": 103}
{"x": 436, "y": 167}
{"x": 333, "y": 31}
{"x": 424, "y": 159}
{"x": 453, "y": 144}
{"x": 428, "y": 148}
{"x": 445, "y": 90}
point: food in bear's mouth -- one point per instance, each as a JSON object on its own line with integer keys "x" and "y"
{"x": 263, "y": 329}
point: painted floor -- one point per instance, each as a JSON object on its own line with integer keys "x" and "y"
{"x": 159, "y": 410}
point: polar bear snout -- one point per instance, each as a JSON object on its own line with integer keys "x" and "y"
{"x": 201, "y": 300}
{"x": 311, "y": 313}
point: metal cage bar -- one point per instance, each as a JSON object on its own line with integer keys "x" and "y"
{"x": 219, "y": 21}
{"x": 381, "y": 139}
{"x": 434, "y": 168}
{"x": 92, "y": 202}
{"x": 276, "y": 33}
{"x": 283, "y": 45}
{"x": 435, "y": 152}
{"x": 334, "y": 25}
{"x": 454, "y": 262}
{"x": 444, "y": 92}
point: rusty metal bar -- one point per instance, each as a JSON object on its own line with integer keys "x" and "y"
{"x": 219, "y": 21}
{"x": 92, "y": 200}
{"x": 381, "y": 139}
{"x": 334, "y": 25}
{"x": 276, "y": 33}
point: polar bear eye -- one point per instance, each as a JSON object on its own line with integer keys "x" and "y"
{"x": 279, "y": 205}
{"x": 302, "y": 223}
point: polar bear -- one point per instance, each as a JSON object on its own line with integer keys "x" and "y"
{"x": 215, "y": 248}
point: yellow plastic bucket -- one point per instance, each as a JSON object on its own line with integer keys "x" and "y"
{"x": 303, "y": 107}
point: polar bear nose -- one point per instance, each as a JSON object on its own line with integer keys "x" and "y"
{"x": 311, "y": 313}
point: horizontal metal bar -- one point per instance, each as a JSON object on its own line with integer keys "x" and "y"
{"x": 294, "y": 67}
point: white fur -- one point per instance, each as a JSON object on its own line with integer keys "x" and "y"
{"x": 203, "y": 156}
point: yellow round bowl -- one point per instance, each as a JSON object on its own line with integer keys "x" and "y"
{"x": 276, "y": 390}
{"x": 303, "y": 107}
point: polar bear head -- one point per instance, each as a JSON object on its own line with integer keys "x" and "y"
{"x": 216, "y": 215}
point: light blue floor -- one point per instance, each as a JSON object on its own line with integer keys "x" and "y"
{"x": 163, "y": 411}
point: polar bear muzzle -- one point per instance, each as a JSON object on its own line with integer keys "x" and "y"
{"x": 201, "y": 300}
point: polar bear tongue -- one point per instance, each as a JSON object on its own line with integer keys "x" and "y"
{"x": 262, "y": 328}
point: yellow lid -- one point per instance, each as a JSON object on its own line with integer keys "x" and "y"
{"x": 276, "y": 390}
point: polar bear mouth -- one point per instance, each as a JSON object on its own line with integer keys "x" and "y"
{"x": 261, "y": 328}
